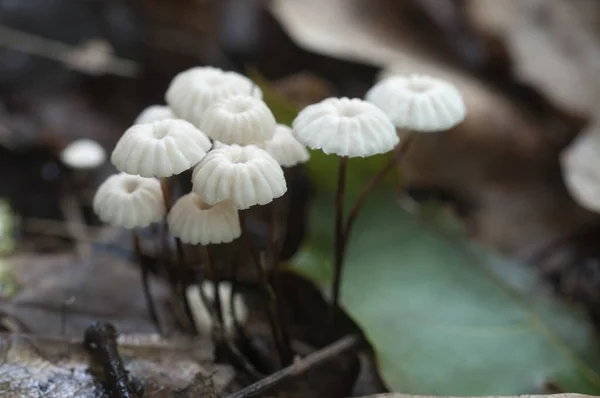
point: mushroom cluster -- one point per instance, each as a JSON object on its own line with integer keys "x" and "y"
{"x": 216, "y": 125}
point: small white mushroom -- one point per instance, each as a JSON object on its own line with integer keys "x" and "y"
{"x": 196, "y": 222}
{"x": 83, "y": 154}
{"x": 129, "y": 201}
{"x": 241, "y": 120}
{"x": 154, "y": 113}
{"x": 419, "y": 103}
{"x": 345, "y": 127}
{"x": 201, "y": 314}
{"x": 247, "y": 175}
{"x": 160, "y": 149}
{"x": 192, "y": 91}
{"x": 285, "y": 149}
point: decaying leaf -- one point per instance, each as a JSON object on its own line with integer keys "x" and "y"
{"x": 46, "y": 367}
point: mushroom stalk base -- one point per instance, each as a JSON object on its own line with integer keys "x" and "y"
{"x": 339, "y": 249}
{"x": 145, "y": 280}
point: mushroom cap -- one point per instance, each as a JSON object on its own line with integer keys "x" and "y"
{"x": 83, "y": 154}
{"x": 580, "y": 163}
{"x": 160, "y": 149}
{"x": 201, "y": 314}
{"x": 154, "y": 113}
{"x": 285, "y": 149}
{"x": 419, "y": 103}
{"x": 129, "y": 201}
{"x": 247, "y": 175}
{"x": 240, "y": 119}
{"x": 192, "y": 91}
{"x": 194, "y": 221}
{"x": 345, "y": 127}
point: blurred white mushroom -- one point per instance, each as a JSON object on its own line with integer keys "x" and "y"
{"x": 83, "y": 154}
{"x": 286, "y": 149}
{"x": 154, "y": 113}
{"x": 202, "y": 316}
{"x": 419, "y": 103}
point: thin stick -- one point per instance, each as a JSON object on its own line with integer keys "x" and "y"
{"x": 268, "y": 294}
{"x": 145, "y": 280}
{"x": 342, "y": 345}
{"x": 339, "y": 231}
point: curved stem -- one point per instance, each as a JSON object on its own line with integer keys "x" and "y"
{"x": 145, "y": 280}
{"x": 339, "y": 229}
{"x": 399, "y": 153}
{"x": 216, "y": 281}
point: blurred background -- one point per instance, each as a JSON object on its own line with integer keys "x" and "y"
{"x": 522, "y": 172}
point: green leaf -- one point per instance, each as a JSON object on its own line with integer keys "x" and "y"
{"x": 446, "y": 317}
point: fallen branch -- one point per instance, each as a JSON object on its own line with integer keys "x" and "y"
{"x": 299, "y": 367}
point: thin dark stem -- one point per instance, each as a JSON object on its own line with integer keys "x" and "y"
{"x": 339, "y": 225}
{"x": 399, "y": 153}
{"x": 268, "y": 294}
{"x": 331, "y": 351}
{"x": 275, "y": 249}
{"x": 180, "y": 268}
{"x": 145, "y": 273}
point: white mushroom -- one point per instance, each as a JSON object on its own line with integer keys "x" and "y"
{"x": 285, "y": 149}
{"x": 345, "y": 127}
{"x": 192, "y": 91}
{"x": 241, "y": 120}
{"x": 196, "y": 222}
{"x": 83, "y": 154}
{"x": 419, "y": 103}
{"x": 247, "y": 175}
{"x": 129, "y": 201}
{"x": 154, "y": 113}
{"x": 201, "y": 314}
{"x": 160, "y": 149}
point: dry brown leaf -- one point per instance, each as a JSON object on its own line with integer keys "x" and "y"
{"x": 37, "y": 366}
{"x": 61, "y": 295}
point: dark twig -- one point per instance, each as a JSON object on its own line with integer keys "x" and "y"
{"x": 145, "y": 280}
{"x": 101, "y": 342}
{"x": 299, "y": 367}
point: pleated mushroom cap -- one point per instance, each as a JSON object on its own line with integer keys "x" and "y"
{"x": 129, "y": 201}
{"x": 192, "y": 91}
{"x": 240, "y": 119}
{"x": 247, "y": 175}
{"x": 345, "y": 127}
{"x": 419, "y": 103}
{"x": 154, "y": 113}
{"x": 286, "y": 149}
{"x": 160, "y": 149}
{"x": 196, "y": 222}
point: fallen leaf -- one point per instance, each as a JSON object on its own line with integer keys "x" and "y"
{"x": 38, "y": 366}
{"x": 445, "y": 317}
